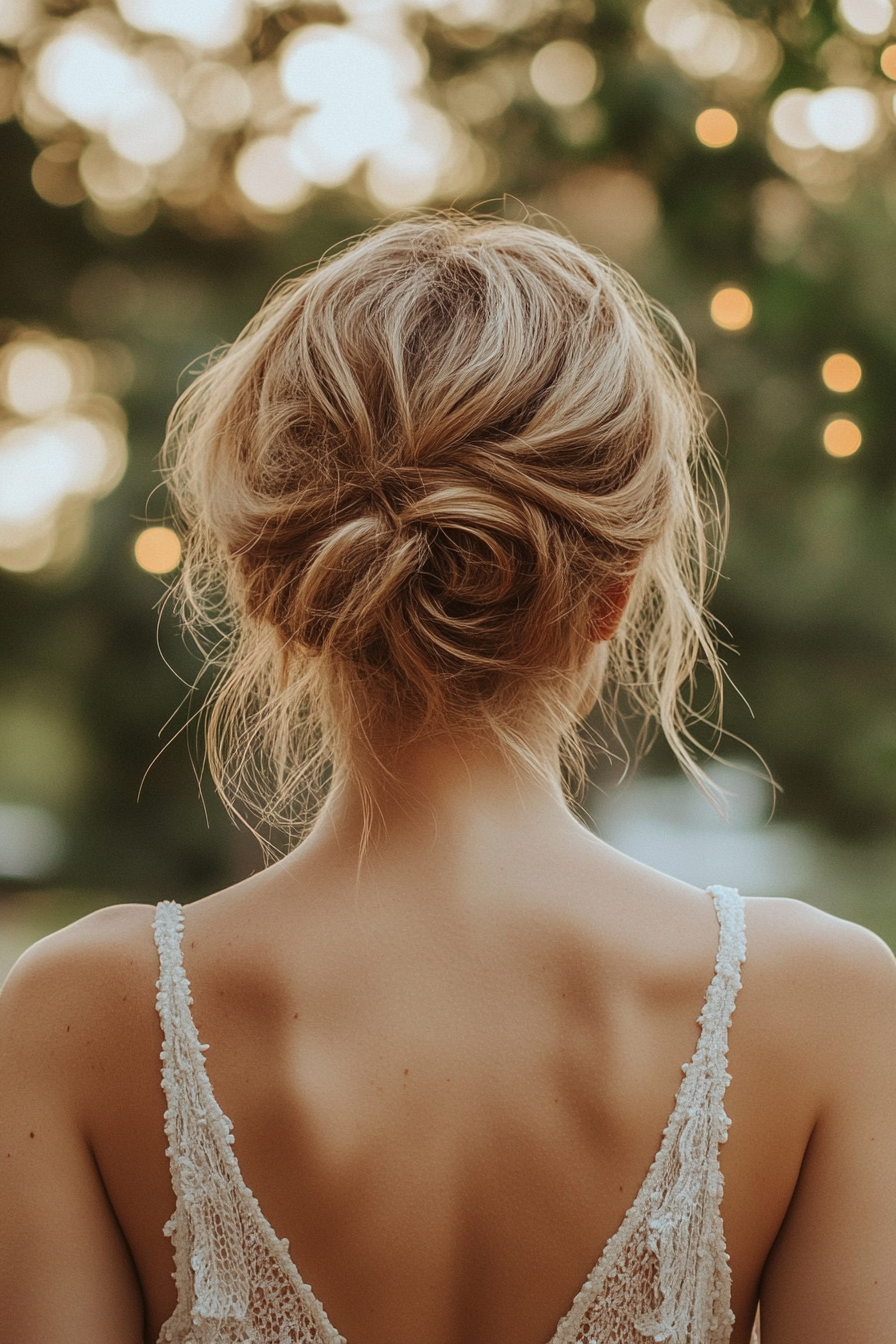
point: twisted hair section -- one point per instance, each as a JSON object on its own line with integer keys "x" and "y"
{"x": 409, "y": 488}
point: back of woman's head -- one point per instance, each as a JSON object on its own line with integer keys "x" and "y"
{"x": 411, "y": 487}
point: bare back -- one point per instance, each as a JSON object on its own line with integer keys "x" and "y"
{"x": 448, "y": 1079}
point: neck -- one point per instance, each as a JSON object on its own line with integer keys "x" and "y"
{"x": 440, "y": 791}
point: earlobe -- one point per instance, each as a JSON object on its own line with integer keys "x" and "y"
{"x": 609, "y": 610}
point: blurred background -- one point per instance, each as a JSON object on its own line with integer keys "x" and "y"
{"x": 164, "y": 162}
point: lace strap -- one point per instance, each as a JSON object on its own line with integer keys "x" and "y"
{"x": 206, "y": 1227}
{"x": 722, "y": 992}
{"x": 232, "y": 1270}
{"x": 685, "y": 1228}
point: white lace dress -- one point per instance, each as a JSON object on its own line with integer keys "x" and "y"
{"x": 663, "y": 1276}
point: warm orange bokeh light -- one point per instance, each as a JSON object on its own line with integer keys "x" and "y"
{"x": 731, "y": 308}
{"x": 842, "y": 437}
{"x": 157, "y": 550}
{"x": 888, "y": 61}
{"x": 841, "y": 373}
{"x": 716, "y": 128}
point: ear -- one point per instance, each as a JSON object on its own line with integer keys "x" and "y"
{"x": 608, "y": 612}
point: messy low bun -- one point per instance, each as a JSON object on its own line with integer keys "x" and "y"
{"x": 406, "y": 490}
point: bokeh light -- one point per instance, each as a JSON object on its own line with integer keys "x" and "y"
{"x": 843, "y": 118}
{"x": 707, "y": 40}
{"x": 62, "y": 445}
{"x": 114, "y": 182}
{"x": 86, "y": 75}
{"x": 790, "y": 119}
{"x": 203, "y": 23}
{"x": 888, "y": 61}
{"x": 872, "y": 18}
{"x": 715, "y": 127}
{"x": 54, "y": 173}
{"x": 37, "y": 378}
{"x": 406, "y": 174}
{"x": 174, "y": 100}
{"x": 731, "y": 308}
{"x": 841, "y": 372}
{"x": 268, "y": 177}
{"x": 157, "y": 550}
{"x": 839, "y": 118}
{"x": 94, "y": 81}
{"x": 563, "y": 73}
{"x": 17, "y": 18}
{"x": 842, "y": 437}
{"x": 161, "y": 101}
{"x": 32, "y": 841}
{"x": 355, "y": 96}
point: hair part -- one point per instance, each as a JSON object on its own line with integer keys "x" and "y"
{"x": 406, "y": 489}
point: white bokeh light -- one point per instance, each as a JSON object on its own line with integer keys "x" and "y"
{"x": 704, "y": 38}
{"x": 355, "y": 90}
{"x": 759, "y": 56}
{"x": 41, "y": 464}
{"x": 479, "y": 97}
{"x": 204, "y": 23}
{"x": 321, "y": 62}
{"x": 708, "y": 41}
{"x": 37, "y": 378}
{"x": 267, "y": 175}
{"x": 407, "y": 172}
{"x": 86, "y": 75}
{"x": 149, "y": 128}
{"x": 843, "y": 118}
{"x": 403, "y": 176}
{"x": 872, "y": 18}
{"x": 790, "y": 119}
{"x": 96, "y": 83}
{"x": 31, "y": 841}
{"x": 330, "y": 143}
{"x": 706, "y": 44}
{"x": 70, "y": 449}
{"x": 154, "y": 83}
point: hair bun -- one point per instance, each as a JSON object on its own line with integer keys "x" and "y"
{"x": 416, "y": 476}
{"x": 450, "y": 571}
{"x": 467, "y": 604}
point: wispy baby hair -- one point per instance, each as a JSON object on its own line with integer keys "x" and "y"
{"x": 408, "y": 488}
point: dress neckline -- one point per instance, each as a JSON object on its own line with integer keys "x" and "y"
{"x": 715, "y": 1005}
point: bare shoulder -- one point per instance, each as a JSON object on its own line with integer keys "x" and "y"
{"x": 79, "y": 988}
{"x": 811, "y": 946}
{"x": 82, "y": 954}
{"x": 822, "y": 988}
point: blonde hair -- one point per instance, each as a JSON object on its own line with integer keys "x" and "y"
{"x": 408, "y": 487}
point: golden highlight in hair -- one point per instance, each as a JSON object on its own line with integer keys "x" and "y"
{"x": 409, "y": 488}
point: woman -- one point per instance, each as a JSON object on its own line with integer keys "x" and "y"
{"x": 439, "y": 497}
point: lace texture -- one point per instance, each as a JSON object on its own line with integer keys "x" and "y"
{"x": 664, "y": 1276}
{"x": 236, "y": 1283}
